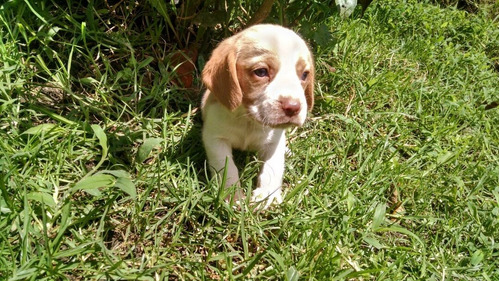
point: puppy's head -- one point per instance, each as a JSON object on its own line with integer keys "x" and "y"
{"x": 266, "y": 68}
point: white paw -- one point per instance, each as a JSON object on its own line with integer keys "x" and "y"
{"x": 266, "y": 196}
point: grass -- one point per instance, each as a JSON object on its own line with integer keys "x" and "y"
{"x": 103, "y": 176}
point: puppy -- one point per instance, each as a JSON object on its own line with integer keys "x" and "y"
{"x": 259, "y": 83}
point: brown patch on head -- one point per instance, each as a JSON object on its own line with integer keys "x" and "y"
{"x": 302, "y": 67}
{"x": 250, "y": 60}
{"x": 221, "y": 77}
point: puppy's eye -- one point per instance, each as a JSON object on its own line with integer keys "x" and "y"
{"x": 304, "y": 75}
{"x": 261, "y": 72}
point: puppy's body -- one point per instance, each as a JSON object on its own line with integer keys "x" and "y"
{"x": 224, "y": 130}
{"x": 259, "y": 82}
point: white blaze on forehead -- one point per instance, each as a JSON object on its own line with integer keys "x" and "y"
{"x": 281, "y": 41}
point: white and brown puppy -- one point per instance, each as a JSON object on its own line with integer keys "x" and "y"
{"x": 259, "y": 82}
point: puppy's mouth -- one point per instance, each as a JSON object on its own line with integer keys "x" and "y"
{"x": 275, "y": 119}
{"x": 286, "y": 124}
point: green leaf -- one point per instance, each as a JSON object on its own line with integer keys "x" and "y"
{"x": 477, "y": 257}
{"x": 351, "y": 200}
{"x": 147, "y": 147}
{"x": 42, "y": 197}
{"x": 373, "y": 242}
{"x": 145, "y": 62}
{"x": 6, "y": 104}
{"x": 103, "y": 140}
{"x": 123, "y": 181}
{"x": 53, "y": 31}
{"x": 75, "y": 251}
{"x": 278, "y": 258}
{"x": 4, "y": 208}
{"x": 378, "y": 216}
{"x": 42, "y": 128}
{"x": 35, "y": 12}
{"x": 53, "y": 115}
{"x": 372, "y": 82}
{"x": 292, "y": 274}
{"x": 445, "y": 157}
{"x": 92, "y": 183}
{"x": 401, "y": 230}
{"x": 24, "y": 274}
{"x": 64, "y": 223}
{"x": 116, "y": 173}
{"x": 322, "y": 36}
{"x": 89, "y": 81}
{"x": 127, "y": 186}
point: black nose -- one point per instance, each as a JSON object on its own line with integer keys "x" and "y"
{"x": 291, "y": 107}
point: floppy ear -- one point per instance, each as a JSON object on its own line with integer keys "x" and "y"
{"x": 309, "y": 92}
{"x": 220, "y": 76}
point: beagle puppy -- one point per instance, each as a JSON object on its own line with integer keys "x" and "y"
{"x": 259, "y": 83}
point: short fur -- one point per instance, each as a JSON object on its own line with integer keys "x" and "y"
{"x": 259, "y": 82}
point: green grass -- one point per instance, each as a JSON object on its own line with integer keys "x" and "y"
{"x": 103, "y": 175}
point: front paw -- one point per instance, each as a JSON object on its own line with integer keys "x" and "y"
{"x": 266, "y": 196}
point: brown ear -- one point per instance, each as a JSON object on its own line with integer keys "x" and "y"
{"x": 310, "y": 89}
{"x": 220, "y": 76}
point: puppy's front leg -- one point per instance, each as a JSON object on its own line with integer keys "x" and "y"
{"x": 218, "y": 152}
{"x": 271, "y": 175}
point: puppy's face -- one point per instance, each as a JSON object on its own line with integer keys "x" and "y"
{"x": 266, "y": 68}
